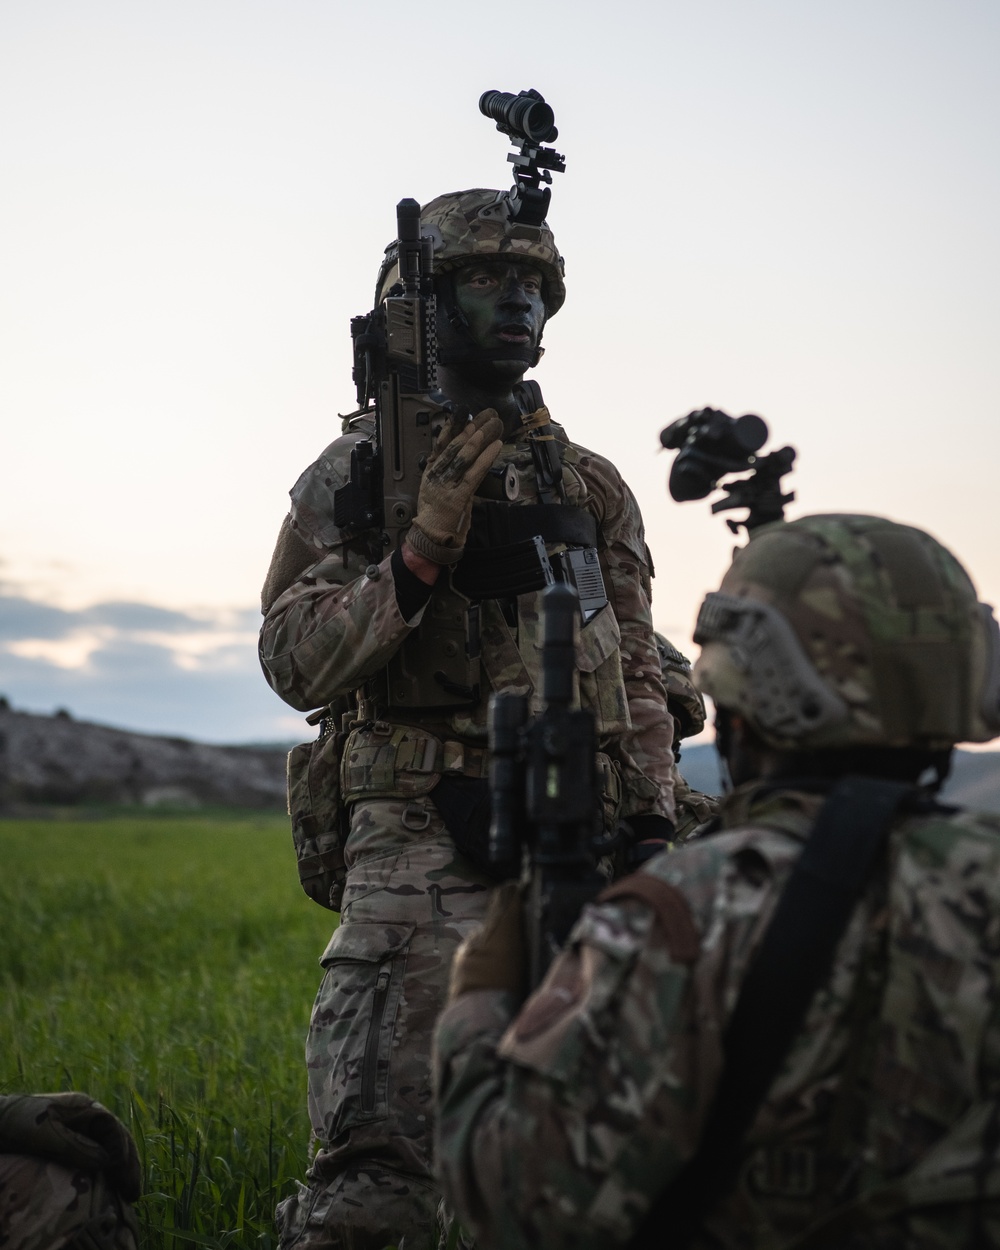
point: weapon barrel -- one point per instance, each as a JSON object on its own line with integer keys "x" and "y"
{"x": 410, "y": 251}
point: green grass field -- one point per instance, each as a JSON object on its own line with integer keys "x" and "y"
{"x": 166, "y": 965}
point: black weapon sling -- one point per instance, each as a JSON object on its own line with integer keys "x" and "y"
{"x": 792, "y": 962}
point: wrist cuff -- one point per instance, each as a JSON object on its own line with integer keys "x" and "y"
{"x": 411, "y": 592}
{"x": 431, "y": 550}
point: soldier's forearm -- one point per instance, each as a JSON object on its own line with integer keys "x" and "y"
{"x": 646, "y": 751}
{"x": 419, "y": 565}
{"x": 322, "y": 639}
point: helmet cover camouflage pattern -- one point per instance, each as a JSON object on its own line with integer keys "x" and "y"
{"x": 475, "y": 225}
{"x": 842, "y": 630}
{"x": 684, "y": 701}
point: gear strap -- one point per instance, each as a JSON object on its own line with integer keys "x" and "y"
{"x": 496, "y": 524}
{"x": 792, "y": 962}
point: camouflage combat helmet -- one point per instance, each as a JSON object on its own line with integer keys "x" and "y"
{"x": 845, "y": 631}
{"x": 475, "y": 225}
{"x": 684, "y": 701}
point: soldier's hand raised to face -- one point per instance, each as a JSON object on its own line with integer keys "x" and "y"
{"x": 461, "y": 458}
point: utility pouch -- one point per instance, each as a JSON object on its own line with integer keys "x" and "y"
{"x": 599, "y": 663}
{"x": 383, "y": 761}
{"x": 581, "y": 568}
{"x": 609, "y": 790}
{"x": 318, "y": 817}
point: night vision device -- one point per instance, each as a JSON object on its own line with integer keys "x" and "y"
{"x": 711, "y": 444}
{"x": 528, "y": 121}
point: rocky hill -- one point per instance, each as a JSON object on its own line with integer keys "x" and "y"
{"x": 55, "y": 761}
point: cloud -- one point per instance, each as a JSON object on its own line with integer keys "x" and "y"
{"x": 143, "y": 616}
{"x": 24, "y": 619}
{"x": 143, "y": 667}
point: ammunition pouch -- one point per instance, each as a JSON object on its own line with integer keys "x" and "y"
{"x": 496, "y": 524}
{"x": 505, "y": 553}
{"x": 504, "y": 572}
{"x": 318, "y": 816}
{"x": 384, "y": 761}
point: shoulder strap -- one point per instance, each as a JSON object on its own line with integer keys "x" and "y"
{"x": 791, "y": 963}
{"x": 546, "y": 449}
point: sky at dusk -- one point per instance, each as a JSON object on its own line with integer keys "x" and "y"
{"x": 779, "y": 206}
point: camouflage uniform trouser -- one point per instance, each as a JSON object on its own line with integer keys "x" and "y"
{"x": 410, "y": 899}
{"x": 45, "y": 1206}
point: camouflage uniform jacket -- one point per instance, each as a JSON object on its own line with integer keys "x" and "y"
{"x": 339, "y": 624}
{"x": 559, "y": 1126}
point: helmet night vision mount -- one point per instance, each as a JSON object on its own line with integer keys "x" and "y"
{"x": 709, "y": 445}
{"x": 529, "y": 122}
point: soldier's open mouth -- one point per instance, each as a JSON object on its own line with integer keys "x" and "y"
{"x": 514, "y": 334}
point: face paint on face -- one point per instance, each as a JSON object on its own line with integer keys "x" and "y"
{"x": 502, "y": 303}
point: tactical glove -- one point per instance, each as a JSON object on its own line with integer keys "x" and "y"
{"x": 460, "y": 460}
{"x": 648, "y": 835}
{"x": 494, "y": 956}
{"x": 75, "y": 1131}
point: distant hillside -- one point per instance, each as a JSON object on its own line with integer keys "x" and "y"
{"x": 974, "y": 780}
{"x": 55, "y": 760}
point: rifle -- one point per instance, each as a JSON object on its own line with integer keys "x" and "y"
{"x": 395, "y": 372}
{"x": 543, "y": 784}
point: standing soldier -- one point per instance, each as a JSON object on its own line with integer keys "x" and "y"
{"x": 693, "y": 809}
{"x": 392, "y": 803}
{"x": 785, "y": 1033}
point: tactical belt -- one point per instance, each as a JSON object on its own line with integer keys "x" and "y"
{"x": 792, "y": 962}
{"x": 384, "y": 760}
